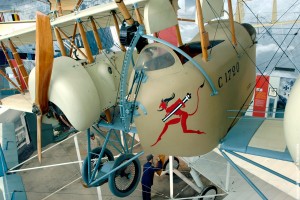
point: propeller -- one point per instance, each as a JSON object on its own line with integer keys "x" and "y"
{"x": 43, "y": 69}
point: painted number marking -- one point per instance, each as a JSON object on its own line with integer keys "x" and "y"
{"x": 228, "y": 75}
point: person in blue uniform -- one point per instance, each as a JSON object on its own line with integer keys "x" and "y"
{"x": 148, "y": 175}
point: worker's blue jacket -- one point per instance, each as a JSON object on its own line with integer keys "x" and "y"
{"x": 148, "y": 173}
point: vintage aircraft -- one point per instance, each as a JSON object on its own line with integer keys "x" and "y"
{"x": 184, "y": 91}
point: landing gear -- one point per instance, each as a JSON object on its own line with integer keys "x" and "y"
{"x": 124, "y": 181}
{"x": 175, "y": 164}
{"x": 210, "y": 191}
{"x": 122, "y": 174}
{"x": 107, "y": 156}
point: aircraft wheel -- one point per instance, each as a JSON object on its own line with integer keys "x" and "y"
{"x": 94, "y": 158}
{"x": 175, "y": 164}
{"x": 209, "y": 190}
{"x": 124, "y": 181}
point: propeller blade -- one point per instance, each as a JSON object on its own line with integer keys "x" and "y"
{"x": 39, "y": 136}
{"x": 44, "y": 63}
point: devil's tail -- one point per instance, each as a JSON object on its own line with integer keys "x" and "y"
{"x": 201, "y": 86}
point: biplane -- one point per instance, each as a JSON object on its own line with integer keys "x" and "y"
{"x": 175, "y": 96}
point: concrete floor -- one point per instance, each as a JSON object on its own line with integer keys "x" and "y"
{"x": 64, "y": 182}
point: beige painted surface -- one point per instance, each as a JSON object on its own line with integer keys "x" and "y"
{"x": 18, "y": 102}
{"x": 73, "y": 91}
{"x": 101, "y": 14}
{"x": 269, "y": 136}
{"x": 291, "y": 122}
{"x": 211, "y": 116}
{"x": 159, "y": 15}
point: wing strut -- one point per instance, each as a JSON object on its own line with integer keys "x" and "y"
{"x": 232, "y": 29}
{"x": 203, "y": 34}
{"x": 13, "y": 69}
{"x": 9, "y": 80}
{"x": 60, "y": 42}
{"x": 117, "y": 28}
{"x": 125, "y": 12}
{"x": 85, "y": 42}
{"x": 20, "y": 64}
{"x": 96, "y": 34}
{"x": 73, "y": 38}
{"x": 71, "y": 42}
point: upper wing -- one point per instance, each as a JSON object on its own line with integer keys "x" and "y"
{"x": 101, "y": 14}
{"x": 22, "y": 33}
{"x": 18, "y": 102}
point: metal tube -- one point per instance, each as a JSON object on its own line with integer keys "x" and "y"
{"x": 171, "y": 177}
{"x": 78, "y": 151}
{"x": 190, "y": 183}
{"x": 56, "y": 144}
{"x": 100, "y": 156}
{"x": 243, "y": 175}
{"x": 120, "y": 166}
{"x": 264, "y": 168}
{"x": 99, "y": 133}
{"x": 124, "y": 141}
{"x": 197, "y": 179}
{"x": 88, "y": 135}
{"x": 227, "y": 177}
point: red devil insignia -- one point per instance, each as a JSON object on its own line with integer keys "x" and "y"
{"x": 180, "y": 115}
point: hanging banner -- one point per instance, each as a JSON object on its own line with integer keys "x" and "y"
{"x": 169, "y": 35}
{"x": 260, "y": 96}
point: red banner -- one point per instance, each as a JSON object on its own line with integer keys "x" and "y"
{"x": 260, "y": 96}
{"x": 169, "y": 35}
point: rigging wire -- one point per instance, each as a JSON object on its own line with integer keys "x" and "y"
{"x": 279, "y": 47}
{"x": 216, "y": 15}
{"x": 286, "y": 49}
{"x": 262, "y": 76}
{"x": 267, "y": 30}
{"x": 270, "y": 33}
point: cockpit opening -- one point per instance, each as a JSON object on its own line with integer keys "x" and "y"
{"x": 154, "y": 58}
{"x": 194, "y": 48}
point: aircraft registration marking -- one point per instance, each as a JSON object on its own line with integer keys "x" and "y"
{"x": 229, "y": 74}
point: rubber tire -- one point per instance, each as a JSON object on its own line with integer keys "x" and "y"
{"x": 111, "y": 180}
{"x": 167, "y": 162}
{"x": 207, "y": 189}
{"x": 84, "y": 171}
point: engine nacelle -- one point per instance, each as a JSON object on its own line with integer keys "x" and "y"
{"x": 291, "y": 121}
{"x": 73, "y": 91}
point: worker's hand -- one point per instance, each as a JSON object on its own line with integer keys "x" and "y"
{"x": 158, "y": 159}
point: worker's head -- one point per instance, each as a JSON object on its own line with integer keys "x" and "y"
{"x": 92, "y": 136}
{"x": 149, "y": 157}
